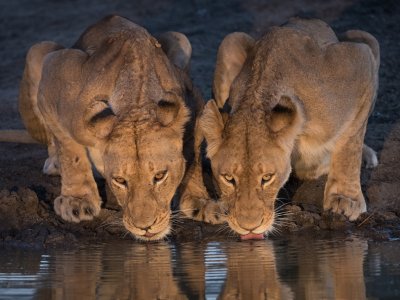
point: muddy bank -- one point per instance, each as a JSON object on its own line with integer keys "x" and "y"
{"x": 29, "y": 221}
{"x": 26, "y": 195}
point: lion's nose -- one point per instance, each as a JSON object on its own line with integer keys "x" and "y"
{"x": 141, "y": 216}
{"x": 143, "y": 224}
{"x": 145, "y": 228}
{"x": 249, "y": 227}
{"x": 250, "y": 223}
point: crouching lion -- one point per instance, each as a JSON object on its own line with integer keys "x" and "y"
{"x": 298, "y": 98}
{"x": 119, "y": 100}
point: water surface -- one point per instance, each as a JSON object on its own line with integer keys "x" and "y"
{"x": 286, "y": 268}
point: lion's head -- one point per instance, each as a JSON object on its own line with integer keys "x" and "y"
{"x": 144, "y": 176}
{"x": 249, "y": 143}
{"x": 128, "y": 92}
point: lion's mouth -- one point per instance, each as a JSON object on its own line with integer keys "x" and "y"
{"x": 151, "y": 236}
{"x": 157, "y": 231}
{"x": 252, "y": 236}
{"x": 257, "y": 233}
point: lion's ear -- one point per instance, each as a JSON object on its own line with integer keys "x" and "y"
{"x": 177, "y": 47}
{"x": 232, "y": 54}
{"x": 212, "y": 124}
{"x": 286, "y": 117}
{"x": 172, "y": 114}
{"x": 166, "y": 112}
{"x": 100, "y": 118}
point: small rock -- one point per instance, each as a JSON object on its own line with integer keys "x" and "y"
{"x": 316, "y": 216}
{"x": 311, "y": 208}
{"x": 334, "y": 221}
{"x": 292, "y": 208}
{"x": 55, "y": 238}
{"x": 304, "y": 219}
{"x": 291, "y": 227}
{"x": 323, "y": 224}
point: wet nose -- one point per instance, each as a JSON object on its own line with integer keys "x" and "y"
{"x": 144, "y": 228}
{"x": 143, "y": 224}
{"x": 141, "y": 216}
{"x": 250, "y": 220}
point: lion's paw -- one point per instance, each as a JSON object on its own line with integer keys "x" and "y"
{"x": 369, "y": 157}
{"x": 76, "y": 209}
{"x": 340, "y": 204}
{"x": 51, "y": 166}
{"x": 214, "y": 213}
{"x": 206, "y": 210}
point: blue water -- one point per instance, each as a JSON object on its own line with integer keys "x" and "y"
{"x": 284, "y": 268}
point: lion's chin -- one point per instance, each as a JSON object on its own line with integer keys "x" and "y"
{"x": 158, "y": 231}
{"x": 152, "y": 236}
{"x": 143, "y": 235}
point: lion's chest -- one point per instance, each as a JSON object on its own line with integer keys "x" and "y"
{"x": 311, "y": 155}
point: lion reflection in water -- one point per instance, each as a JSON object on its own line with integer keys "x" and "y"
{"x": 248, "y": 270}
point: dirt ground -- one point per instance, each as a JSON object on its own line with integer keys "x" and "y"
{"x": 26, "y": 195}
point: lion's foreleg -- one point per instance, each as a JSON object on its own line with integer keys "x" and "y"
{"x": 195, "y": 203}
{"x": 79, "y": 199}
{"x": 343, "y": 188}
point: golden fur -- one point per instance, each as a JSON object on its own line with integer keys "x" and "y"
{"x": 119, "y": 100}
{"x": 297, "y": 99}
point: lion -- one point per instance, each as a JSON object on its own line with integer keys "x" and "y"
{"x": 325, "y": 267}
{"x": 128, "y": 271}
{"x": 297, "y": 99}
{"x": 254, "y": 276}
{"x": 119, "y": 100}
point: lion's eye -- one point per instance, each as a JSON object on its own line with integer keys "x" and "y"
{"x": 160, "y": 176}
{"x": 266, "y": 178}
{"x": 120, "y": 182}
{"x": 229, "y": 178}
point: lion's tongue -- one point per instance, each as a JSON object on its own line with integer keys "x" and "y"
{"x": 252, "y": 236}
